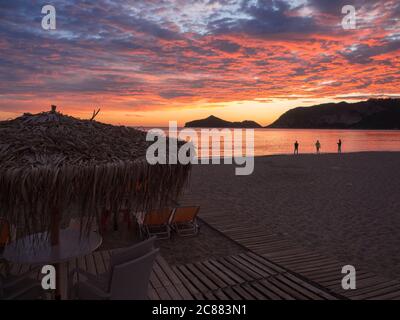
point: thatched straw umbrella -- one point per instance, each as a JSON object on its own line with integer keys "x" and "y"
{"x": 50, "y": 161}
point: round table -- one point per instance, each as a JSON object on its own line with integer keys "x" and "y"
{"x": 36, "y": 249}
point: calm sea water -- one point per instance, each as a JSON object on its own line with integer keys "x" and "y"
{"x": 280, "y": 141}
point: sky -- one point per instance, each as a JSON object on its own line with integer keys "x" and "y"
{"x": 144, "y": 63}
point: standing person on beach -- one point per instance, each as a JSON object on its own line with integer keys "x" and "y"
{"x": 339, "y": 146}
{"x": 296, "y": 147}
{"x": 318, "y": 146}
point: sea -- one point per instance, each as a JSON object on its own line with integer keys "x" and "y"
{"x": 281, "y": 141}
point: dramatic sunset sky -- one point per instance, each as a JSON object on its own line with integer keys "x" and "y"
{"x": 146, "y": 62}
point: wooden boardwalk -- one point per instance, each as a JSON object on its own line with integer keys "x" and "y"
{"x": 246, "y": 276}
{"x": 274, "y": 267}
{"x": 308, "y": 264}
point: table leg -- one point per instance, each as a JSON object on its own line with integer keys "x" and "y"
{"x": 61, "y": 282}
{"x": 55, "y": 240}
{"x": 58, "y": 281}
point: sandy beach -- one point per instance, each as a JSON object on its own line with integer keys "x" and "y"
{"x": 346, "y": 206}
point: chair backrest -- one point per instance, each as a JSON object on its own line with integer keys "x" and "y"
{"x": 157, "y": 217}
{"x": 130, "y": 280}
{"x": 185, "y": 214}
{"x": 130, "y": 253}
{"x": 5, "y": 232}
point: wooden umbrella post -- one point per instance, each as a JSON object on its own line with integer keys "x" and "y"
{"x": 55, "y": 241}
{"x": 55, "y": 228}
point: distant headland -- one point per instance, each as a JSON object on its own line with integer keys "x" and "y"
{"x": 371, "y": 114}
{"x": 214, "y": 122}
{"x": 379, "y": 114}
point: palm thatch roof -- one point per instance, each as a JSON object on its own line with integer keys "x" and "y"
{"x": 49, "y": 161}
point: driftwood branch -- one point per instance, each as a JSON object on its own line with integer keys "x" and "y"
{"x": 95, "y": 113}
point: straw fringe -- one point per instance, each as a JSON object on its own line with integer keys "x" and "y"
{"x": 50, "y": 161}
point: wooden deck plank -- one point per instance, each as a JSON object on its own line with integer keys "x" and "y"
{"x": 361, "y": 282}
{"x": 168, "y": 270}
{"x": 264, "y": 261}
{"x": 265, "y": 291}
{"x": 310, "y": 287}
{"x": 280, "y": 254}
{"x": 231, "y": 294}
{"x": 316, "y": 265}
{"x": 210, "y": 295}
{"x": 228, "y": 272}
{"x": 221, "y": 275}
{"x": 221, "y": 295}
{"x": 295, "y": 291}
{"x": 233, "y": 268}
{"x": 187, "y": 284}
{"x": 297, "y": 256}
{"x": 105, "y": 254}
{"x": 154, "y": 280}
{"x": 163, "y": 293}
{"x": 311, "y": 262}
{"x": 164, "y": 280}
{"x": 375, "y": 291}
{"x": 390, "y": 296}
{"x": 374, "y": 287}
{"x": 90, "y": 265}
{"x": 245, "y": 295}
{"x": 264, "y": 269}
{"x": 152, "y": 294}
{"x": 277, "y": 289}
{"x": 99, "y": 263}
{"x": 81, "y": 264}
{"x": 203, "y": 277}
{"x": 192, "y": 278}
{"x": 250, "y": 271}
{"x": 185, "y": 294}
{"x": 173, "y": 293}
{"x": 249, "y": 261}
{"x": 219, "y": 283}
{"x": 255, "y": 294}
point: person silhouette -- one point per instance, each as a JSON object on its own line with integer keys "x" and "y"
{"x": 339, "y": 146}
{"x": 296, "y": 147}
{"x": 318, "y": 146}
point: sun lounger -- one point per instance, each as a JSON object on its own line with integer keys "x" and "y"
{"x": 184, "y": 221}
{"x": 157, "y": 223}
